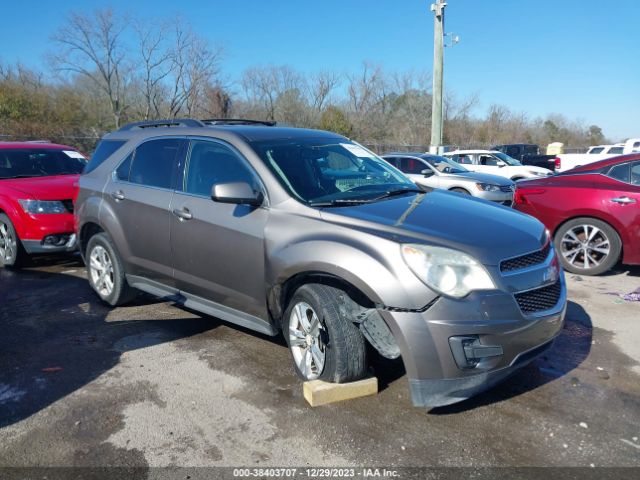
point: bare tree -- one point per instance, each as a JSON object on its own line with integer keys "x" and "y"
{"x": 93, "y": 46}
{"x": 155, "y": 65}
{"x": 320, "y": 87}
{"x": 194, "y": 66}
{"x": 264, "y": 85}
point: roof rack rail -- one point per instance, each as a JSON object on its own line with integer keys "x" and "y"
{"x": 173, "y": 122}
{"x": 238, "y": 121}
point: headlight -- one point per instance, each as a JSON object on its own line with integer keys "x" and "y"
{"x": 488, "y": 187}
{"x": 42, "y": 206}
{"x": 446, "y": 271}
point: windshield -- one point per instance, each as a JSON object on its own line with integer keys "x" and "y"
{"x": 507, "y": 159}
{"x": 319, "y": 171}
{"x": 39, "y": 162}
{"x": 444, "y": 165}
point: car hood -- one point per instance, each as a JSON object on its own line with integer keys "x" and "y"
{"x": 59, "y": 187}
{"x": 481, "y": 177}
{"x": 487, "y": 231}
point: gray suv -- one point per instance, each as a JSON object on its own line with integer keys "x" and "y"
{"x": 308, "y": 233}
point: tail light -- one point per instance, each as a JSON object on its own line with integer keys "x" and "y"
{"x": 557, "y": 163}
{"x": 520, "y": 196}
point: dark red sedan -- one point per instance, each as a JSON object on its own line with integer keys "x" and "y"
{"x": 38, "y": 183}
{"x": 593, "y": 213}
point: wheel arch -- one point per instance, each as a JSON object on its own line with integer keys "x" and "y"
{"x": 88, "y": 230}
{"x": 281, "y": 293}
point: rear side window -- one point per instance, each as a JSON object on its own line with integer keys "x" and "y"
{"x": 104, "y": 151}
{"x": 620, "y": 172}
{"x": 596, "y": 150}
{"x": 512, "y": 151}
{"x": 635, "y": 173}
{"x": 155, "y": 162}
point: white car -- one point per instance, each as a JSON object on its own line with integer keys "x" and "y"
{"x": 617, "y": 149}
{"x": 567, "y": 161}
{"x": 496, "y": 163}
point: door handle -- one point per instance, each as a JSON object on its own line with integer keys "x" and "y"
{"x": 623, "y": 200}
{"x": 118, "y": 195}
{"x": 183, "y": 214}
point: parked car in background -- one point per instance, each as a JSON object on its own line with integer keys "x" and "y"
{"x": 596, "y": 153}
{"x": 527, "y": 154}
{"x": 38, "y": 183}
{"x": 632, "y": 146}
{"x": 496, "y": 163}
{"x": 308, "y": 233}
{"x": 593, "y": 213}
{"x": 432, "y": 171}
{"x": 617, "y": 149}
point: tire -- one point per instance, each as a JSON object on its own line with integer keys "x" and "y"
{"x": 460, "y": 190}
{"x": 339, "y": 341}
{"x": 12, "y": 253}
{"x": 600, "y": 253}
{"x": 106, "y": 273}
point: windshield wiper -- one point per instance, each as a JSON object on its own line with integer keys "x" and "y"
{"x": 400, "y": 191}
{"x": 341, "y": 202}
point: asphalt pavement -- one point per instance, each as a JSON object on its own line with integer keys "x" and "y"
{"x": 156, "y": 385}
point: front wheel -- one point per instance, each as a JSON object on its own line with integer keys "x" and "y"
{"x": 106, "y": 273}
{"x": 460, "y": 190}
{"x": 587, "y": 246}
{"x": 323, "y": 345}
{"x": 12, "y": 254}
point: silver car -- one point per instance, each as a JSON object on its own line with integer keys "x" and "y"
{"x": 432, "y": 171}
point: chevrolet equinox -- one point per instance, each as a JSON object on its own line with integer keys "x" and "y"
{"x": 308, "y": 233}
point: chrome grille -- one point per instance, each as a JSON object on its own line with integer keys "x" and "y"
{"x": 507, "y": 188}
{"x": 540, "y": 299}
{"x": 525, "y": 261}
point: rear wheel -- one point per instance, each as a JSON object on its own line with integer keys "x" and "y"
{"x": 106, "y": 273}
{"x": 587, "y": 246}
{"x": 12, "y": 253}
{"x": 323, "y": 345}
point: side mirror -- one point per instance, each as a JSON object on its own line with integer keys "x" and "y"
{"x": 240, "y": 193}
{"x": 501, "y": 164}
{"x": 427, "y": 172}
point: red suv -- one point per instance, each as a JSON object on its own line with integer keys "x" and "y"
{"x": 38, "y": 184}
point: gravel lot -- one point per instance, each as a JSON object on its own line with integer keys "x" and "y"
{"x": 152, "y": 384}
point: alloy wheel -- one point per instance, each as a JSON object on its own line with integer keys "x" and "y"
{"x": 306, "y": 340}
{"x": 585, "y": 246}
{"x": 8, "y": 244}
{"x": 101, "y": 269}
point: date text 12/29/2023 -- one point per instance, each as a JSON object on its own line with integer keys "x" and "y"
{"x": 320, "y": 472}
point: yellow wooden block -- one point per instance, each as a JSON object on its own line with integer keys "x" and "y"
{"x": 319, "y": 392}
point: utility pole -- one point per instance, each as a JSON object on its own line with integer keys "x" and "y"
{"x": 438, "y": 55}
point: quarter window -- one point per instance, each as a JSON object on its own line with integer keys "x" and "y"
{"x": 122, "y": 172}
{"x": 620, "y": 172}
{"x": 211, "y": 163}
{"x": 154, "y": 163}
{"x": 104, "y": 151}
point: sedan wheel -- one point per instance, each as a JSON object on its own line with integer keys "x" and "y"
{"x": 101, "y": 270}
{"x": 587, "y": 246}
{"x": 305, "y": 340}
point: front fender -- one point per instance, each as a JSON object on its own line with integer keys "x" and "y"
{"x": 375, "y": 268}
{"x": 11, "y": 209}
